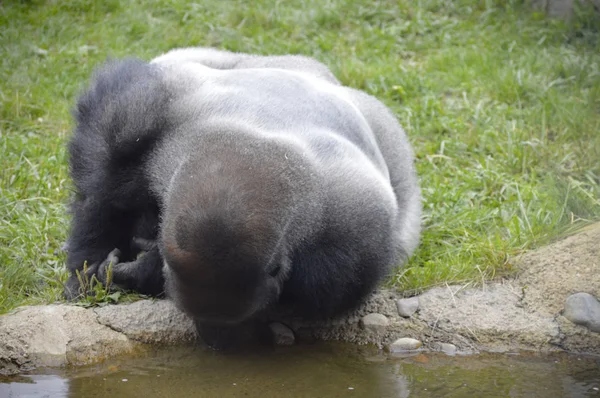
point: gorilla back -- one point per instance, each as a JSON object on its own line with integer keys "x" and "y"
{"x": 272, "y": 182}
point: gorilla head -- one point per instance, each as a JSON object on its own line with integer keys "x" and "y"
{"x": 228, "y": 230}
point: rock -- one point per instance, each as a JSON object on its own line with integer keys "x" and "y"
{"x": 564, "y": 8}
{"x": 55, "y": 335}
{"x": 576, "y": 338}
{"x": 405, "y": 344}
{"x": 374, "y": 322}
{"x": 149, "y": 321}
{"x": 583, "y": 309}
{"x": 282, "y": 335}
{"x": 555, "y": 8}
{"x": 58, "y": 335}
{"x": 486, "y": 316}
{"x": 408, "y": 306}
{"x": 446, "y": 348}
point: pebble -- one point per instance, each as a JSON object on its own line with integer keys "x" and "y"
{"x": 583, "y": 309}
{"x": 282, "y": 335}
{"x": 405, "y": 344}
{"x": 446, "y": 348}
{"x": 374, "y": 322}
{"x": 407, "y": 307}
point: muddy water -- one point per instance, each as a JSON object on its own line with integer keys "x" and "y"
{"x": 320, "y": 370}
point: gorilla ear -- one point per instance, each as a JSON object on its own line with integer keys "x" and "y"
{"x": 275, "y": 271}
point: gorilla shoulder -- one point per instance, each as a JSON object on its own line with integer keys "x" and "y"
{"x": 221, "y": 59}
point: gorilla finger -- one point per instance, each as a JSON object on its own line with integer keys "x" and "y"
{"x": 111, "y": 260}
{"x": 144, "y": 244}
{"x": 113, "y": 257}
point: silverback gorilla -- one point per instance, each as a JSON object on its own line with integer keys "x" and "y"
{"x": 245, "y": 180}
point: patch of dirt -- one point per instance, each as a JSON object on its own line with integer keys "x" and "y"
{"x": 552, "y": 273}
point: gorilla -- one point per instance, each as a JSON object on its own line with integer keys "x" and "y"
{"x": 233, "y": 182}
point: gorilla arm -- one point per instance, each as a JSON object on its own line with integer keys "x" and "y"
{"x": 119, "y": 120}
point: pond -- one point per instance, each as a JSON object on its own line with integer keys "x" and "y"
{"x": 315, "y": 370}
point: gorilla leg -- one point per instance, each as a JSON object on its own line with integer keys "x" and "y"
{"x": 328, "y": 278}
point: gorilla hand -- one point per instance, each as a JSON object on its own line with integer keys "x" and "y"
{"x": 143, "y": 275}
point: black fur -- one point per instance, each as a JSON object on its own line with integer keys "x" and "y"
{"x": 118, "y": 124}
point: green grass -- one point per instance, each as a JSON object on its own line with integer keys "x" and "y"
{"x": 502, "y": 106}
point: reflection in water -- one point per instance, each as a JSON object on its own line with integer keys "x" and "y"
{"x": 525, "y": 375}
{"x": 320, "y": 370}
{"x": 35, "y": 386}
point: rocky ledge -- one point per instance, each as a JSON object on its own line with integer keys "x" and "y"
{"x": 550, "y": 305}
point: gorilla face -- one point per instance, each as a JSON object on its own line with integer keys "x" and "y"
{"x": 224, "y": 291}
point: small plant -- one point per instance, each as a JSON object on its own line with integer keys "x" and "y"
{"x": 95, "y": 293}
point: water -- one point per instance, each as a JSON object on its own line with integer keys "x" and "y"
{"x": 319, "y": 370}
